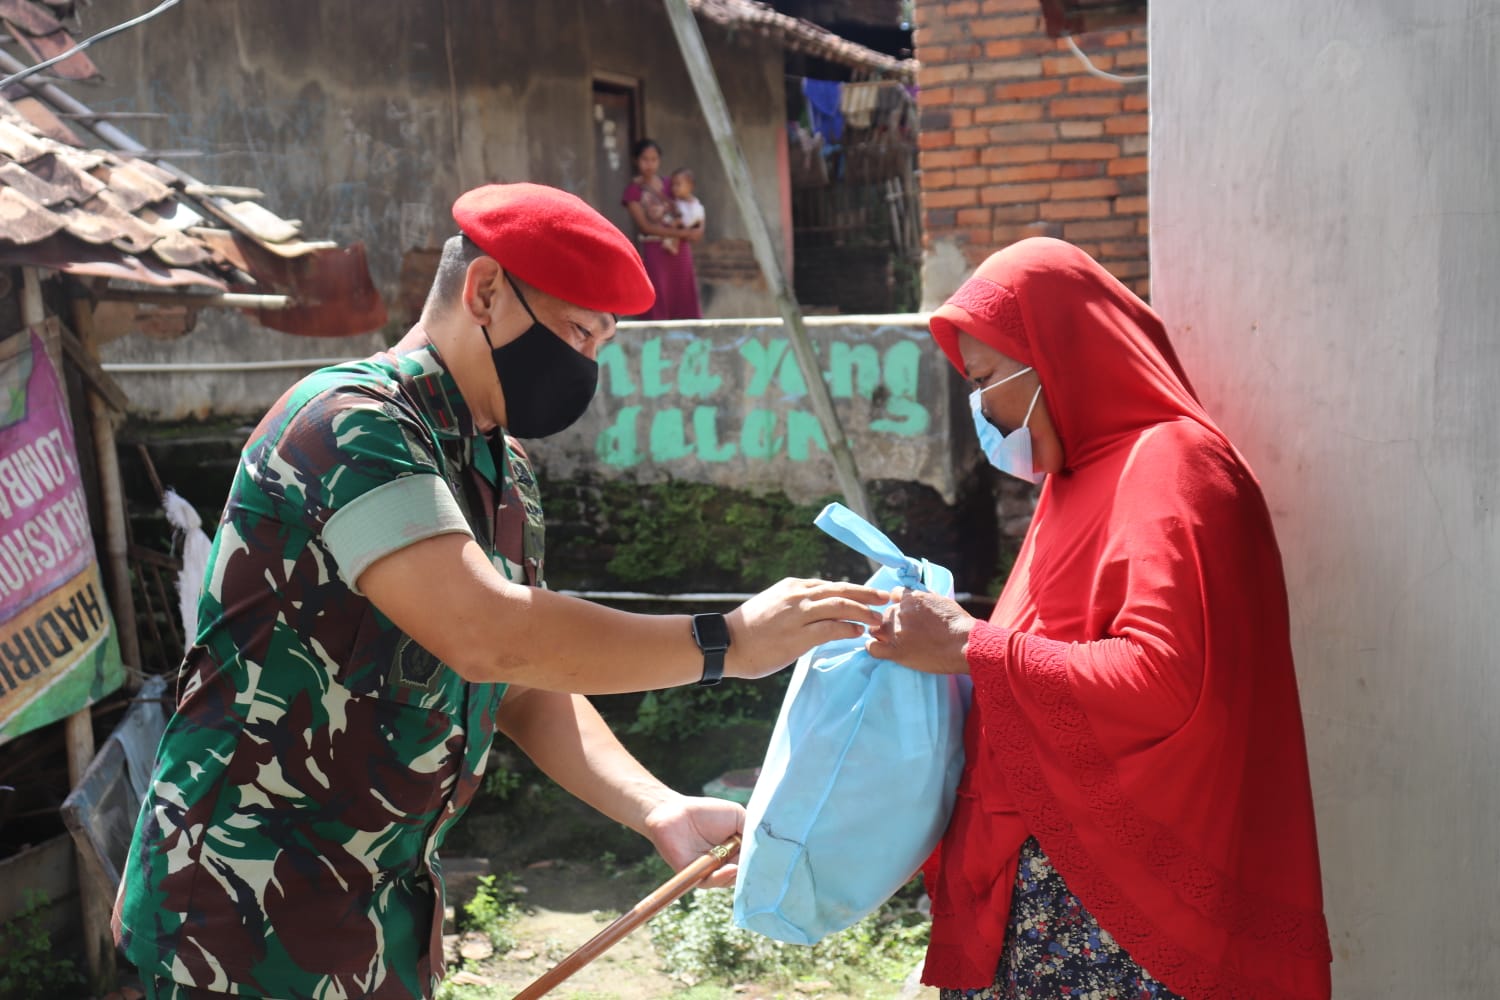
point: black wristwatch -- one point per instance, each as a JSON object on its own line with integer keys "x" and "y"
{"x": 711, "y": 633}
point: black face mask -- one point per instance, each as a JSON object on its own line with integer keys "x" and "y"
{"x": 547, "y": 384}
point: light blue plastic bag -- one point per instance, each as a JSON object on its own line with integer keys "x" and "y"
{"x": 859, "y": 778}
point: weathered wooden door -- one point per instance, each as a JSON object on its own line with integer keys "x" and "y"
{"x": 616, "y": 122}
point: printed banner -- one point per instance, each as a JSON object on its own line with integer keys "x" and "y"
{"x": 58, "y": 651}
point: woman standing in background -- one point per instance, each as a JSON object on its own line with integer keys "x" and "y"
{"x": 666, "y": 247}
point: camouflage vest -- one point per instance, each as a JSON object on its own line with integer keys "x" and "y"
{"x": 318, "y": 756}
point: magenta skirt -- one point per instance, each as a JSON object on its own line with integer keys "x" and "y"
{"x": 675, "y": 279}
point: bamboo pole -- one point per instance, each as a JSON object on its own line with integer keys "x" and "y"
{"x": 711, "y": 97}
{"x": 664, "y": 895}
{"x": 196, "y": 300}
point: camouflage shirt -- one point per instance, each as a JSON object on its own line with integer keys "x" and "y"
{"x": 318, "y": 756}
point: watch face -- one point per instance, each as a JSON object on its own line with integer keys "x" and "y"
{"x": 711, "y": 631}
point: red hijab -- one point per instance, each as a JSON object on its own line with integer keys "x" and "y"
{"x": 1135, "y": 706}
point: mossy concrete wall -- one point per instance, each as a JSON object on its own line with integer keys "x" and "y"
{"x": 725, "y": 402}
{"x": 721, "y": 402}
{"x": 700, "y": 465}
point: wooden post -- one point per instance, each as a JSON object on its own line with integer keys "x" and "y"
{"x": 701, "y": 70}
{"x": 78, "y": 731}
{"x": 112, "y": 498}
{"x": 95, "y": 898}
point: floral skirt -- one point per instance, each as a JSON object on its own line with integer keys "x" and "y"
{"x": 1055, "y": 947}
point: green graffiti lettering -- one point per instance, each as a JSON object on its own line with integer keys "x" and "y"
{"x": 616, "y": 445}
{"x": 903, "y": 363}
{"x": 654, "y": 380}
{"x": 669, "y": 436}
{"x": 854, "y": 370}
{"x": 905, "y": 417}
{"x": 758, "y": 434}
{"x": 695, "y": 380}
{"x": 763, "y": 360}
{"x": 790, "y": 376}
{"x": 803, "y": 431}
{"x": 612, "y": 362}
{"x": 706, "y": 433}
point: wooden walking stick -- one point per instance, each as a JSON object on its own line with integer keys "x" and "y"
{"x": 662, "y": 897}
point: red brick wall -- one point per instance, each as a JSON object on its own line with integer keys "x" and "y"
{"x": 1018, "y": 139}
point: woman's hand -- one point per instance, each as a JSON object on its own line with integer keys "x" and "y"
{"x": 782, "y": 622}
{"x": 683, "y": 829}
{"x": 923, "y": 631}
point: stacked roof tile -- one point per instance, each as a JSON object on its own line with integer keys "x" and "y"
{"x": 89, "y": 210}
{"x": 36, "y": 26}
{"x": 797, "y": 35}
{"x": 92, "y": 208}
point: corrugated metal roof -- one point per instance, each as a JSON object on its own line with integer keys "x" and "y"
{"x": 98, "y": 210}
{"x": 797, "y": 35}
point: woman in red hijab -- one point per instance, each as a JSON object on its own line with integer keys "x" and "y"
{"x": 1135, "y": 818}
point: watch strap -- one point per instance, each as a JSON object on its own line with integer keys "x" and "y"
{"x": 711, "y": 633}
{"x": 713, "y": 667}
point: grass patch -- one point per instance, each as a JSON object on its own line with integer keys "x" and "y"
{"x": 700, "y": 943}
{"x": 494, "y": 910}
{"x": 29, "y": 969}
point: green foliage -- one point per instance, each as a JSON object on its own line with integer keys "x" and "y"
{"x": 449, "y": 990}
{"x": 698, "y": 940}
{"x": 677, "y": 714}
{"x": 28, "y": 968}
{"x": 673, "y": 531}
{"x": 494, "y": 910}
{"x": 651, "y": 870}
{"x": 503, "y": 782}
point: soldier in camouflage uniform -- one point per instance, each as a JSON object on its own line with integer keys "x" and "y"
{"x": 373, "y": 612}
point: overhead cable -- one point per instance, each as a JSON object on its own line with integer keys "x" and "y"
{"x": 107, "y": 32}
{"x": 1095, "y": 70}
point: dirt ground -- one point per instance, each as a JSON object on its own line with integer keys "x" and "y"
{"x": 568, "y": 903}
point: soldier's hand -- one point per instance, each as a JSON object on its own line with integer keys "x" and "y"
{"x": 782, "y": 622}
{"x": 683, "y": 828}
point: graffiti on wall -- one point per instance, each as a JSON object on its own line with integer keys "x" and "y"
{"x": 684, "y": 398}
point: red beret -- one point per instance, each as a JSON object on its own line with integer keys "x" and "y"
{"x": 556, "y": 243}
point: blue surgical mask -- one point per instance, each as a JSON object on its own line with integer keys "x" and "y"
{"x": 1010, "y": 453}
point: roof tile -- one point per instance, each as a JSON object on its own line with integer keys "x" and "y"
{"x": 133, "y": 188}
{"x": 42, "y": 35}
{"x": 29, "y": 17}
{"x": 18, "y": 144}
{"x": 23, "y": 220}
{"x": 105, "y": 213}
{"x": 46, "y": 121}
{"x": 15, "y": 176}
{"x": 797, "y": 35}
{"x": 68, "y": 173}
